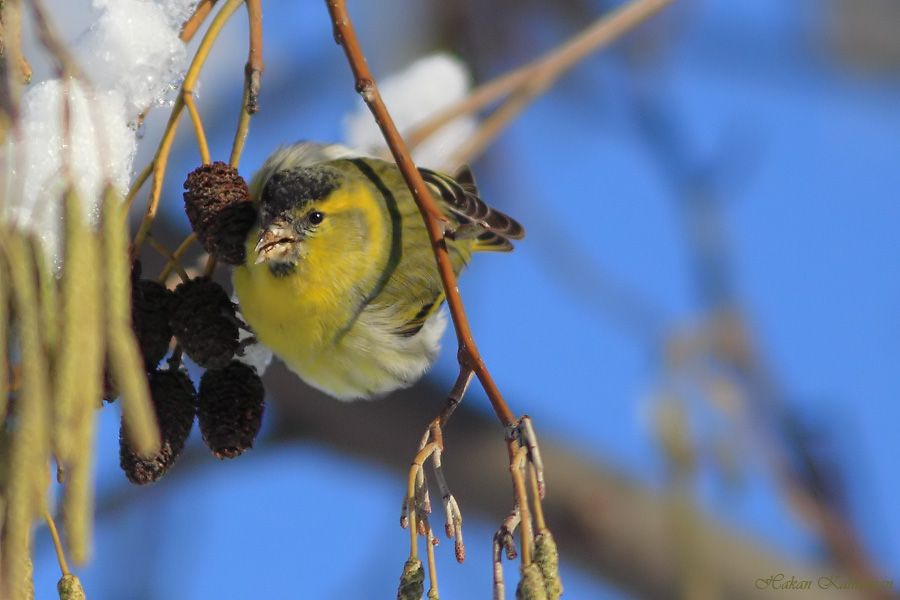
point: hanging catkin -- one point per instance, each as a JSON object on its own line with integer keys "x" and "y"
{"x": 30, "y": 447}
{"x": 79, "y": 374}
{"x": 125, "y": 359}
{"x": 5, "y": 381}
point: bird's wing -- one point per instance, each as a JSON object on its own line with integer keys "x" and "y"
{"x": 414, "y": 325}
{"x": 492, "y": 228}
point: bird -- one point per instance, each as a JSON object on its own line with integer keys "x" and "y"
{"x": 339, "y": 279}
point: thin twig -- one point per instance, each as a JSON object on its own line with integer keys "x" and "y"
{"x": 165, "y": 146}
{"x": 365, "y": 85}
{"x": 193, "y": 23}
{"x": 453, "y": 524}
{"x": 210, "y": 265}
{"x": 57, "y": 543}
{"x": 175, "y": 259}
{"x": 254, "y": 67}
{"x": 139, "y": 182}
{"x": 170, "y": 256}
{"x": 529, "y": 440}
{"x": 524, "y": 84}
{"x": 11, "y": 41}
{"x": 503, "y": 542}
{"x": 188, "y": 99}
{"x": 252, "y": 73}
{"x": 430, "y": 543}
{"x": 158, "y": 171}
{"x": 517, "y": 469}
{"x": 491, "y": 127}
{"x": 10, "y": 94}
{"x": 240, "y": 133}
{"x": 188, "y": 30}
{"x": 414, "y": 470}
{"x": 455, "y": 396}
{"x": 540, "y": 522}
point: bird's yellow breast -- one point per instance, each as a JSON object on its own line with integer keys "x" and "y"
{"x": 352, "y": 304}
{"x": 300, "y": 314}
{"x": 287, "y": 314}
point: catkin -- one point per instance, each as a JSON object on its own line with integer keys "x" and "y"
{"x": 4, "y": 339}
{"x": 77, "y": 328}
{"x": 69, "y": 588}
{"x": 49, "y": 300}
{"x": 27, "y": 578}
{"x": 78, "y": 505}
{"x": 79, "y": 375}
{"x": 30, "y": 447}
{"x": 546, "y": 557}
{"x": 531, "y": 585}
{"x": 122, "y": 348}
{"x": 412, "y": 580}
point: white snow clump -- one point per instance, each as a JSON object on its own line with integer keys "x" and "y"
{"x": 412, "y": 95}
{"x": 133, "y": 48}
{"x": 102, "y": 147}
{"x": 132, "y": 56}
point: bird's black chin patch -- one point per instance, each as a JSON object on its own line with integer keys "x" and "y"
{"x": 281, "y": 269}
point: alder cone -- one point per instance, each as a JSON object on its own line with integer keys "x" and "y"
{"x": 151, "y": 304}
{"x": 229, "y": 408}
{"x": 217, "y": 203}
{"x": 175, "y": 404}
{"x": 204, "y": 322}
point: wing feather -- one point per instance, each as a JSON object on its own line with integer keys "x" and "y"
{"x": 462, "y": 200}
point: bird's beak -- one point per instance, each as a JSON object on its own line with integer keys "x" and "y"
{"x": 274, "y": 242}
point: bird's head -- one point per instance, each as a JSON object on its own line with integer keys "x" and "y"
{"x": 308, "y": 214}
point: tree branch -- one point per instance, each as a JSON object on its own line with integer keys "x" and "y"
{"x": 469, "y": 356}
{"x": 604, "y": 521}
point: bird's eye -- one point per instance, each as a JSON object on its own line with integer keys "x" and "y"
{"x": 315, "y": 217}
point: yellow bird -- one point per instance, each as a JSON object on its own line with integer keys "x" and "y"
{"x": 339, "y": 278}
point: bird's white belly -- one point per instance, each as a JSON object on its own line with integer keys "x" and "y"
{"x": 370, "y": 360}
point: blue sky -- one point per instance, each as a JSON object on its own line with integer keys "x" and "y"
{"x": 808, "y": 181}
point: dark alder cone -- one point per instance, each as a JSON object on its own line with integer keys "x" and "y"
{"x": 151, "y": 304}
{"x": 204, "y": 322}
{"x": 217, "y": 202}
{"x": 175, "y": 403}
{"x": 229, "y": 408}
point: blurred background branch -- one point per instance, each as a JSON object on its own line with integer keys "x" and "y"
{"x": 604, "y": 520}
{"x": 711, "y": 226}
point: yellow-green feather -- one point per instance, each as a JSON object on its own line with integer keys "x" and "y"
{"x": 348, "y": 317}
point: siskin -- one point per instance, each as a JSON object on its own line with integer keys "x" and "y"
{"x": 339, "y": 278}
